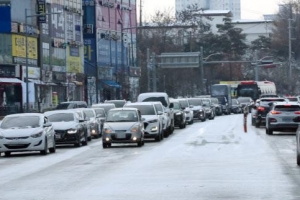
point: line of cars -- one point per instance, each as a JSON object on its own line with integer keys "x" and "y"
{"x": 154, "y": 115}
{"x": 280, "y": 114}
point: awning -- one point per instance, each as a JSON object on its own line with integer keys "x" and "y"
{"x": 50, "y": 83}
{"x": 112, "y": 84}
{"x": 36, "y": 81}
{"x": 67, "y": 84}
{"x": 14, "y": 81}
{"x": 78, "y": 82}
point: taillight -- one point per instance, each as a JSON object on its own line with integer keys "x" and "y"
{"x": 261, "y": 108}
{"x": 274, "y": 112}
{"x": 297, "y": 112}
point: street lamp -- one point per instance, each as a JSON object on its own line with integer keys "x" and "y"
{"x": 202, "y": 61}
{"x": 26, "y": 53}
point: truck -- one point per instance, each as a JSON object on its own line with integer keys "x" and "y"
{"x": 254, "y": 89}
{"x": 223, "y": 93}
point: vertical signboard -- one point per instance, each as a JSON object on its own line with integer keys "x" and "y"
{"x": 74, "y": 62}
{"x": 41, "y": 9}
{"x": 58, "y": 21}
{"x": 90, "y": 56}
{"x": 77, "y": 28}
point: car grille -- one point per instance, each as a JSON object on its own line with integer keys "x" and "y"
{"x": 16, "y": 138}
{"x": 60, "y": 131}
{"x": 16, "y": 146}
{"x": 115, "y": 137}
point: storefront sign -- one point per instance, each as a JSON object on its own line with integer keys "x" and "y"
{"x": 33, "y": 72}
{"x": 58, "y": 21}
{"x": 74, "y": 63}
{"x": 19, "y": 47}
{"x": 7, "y": 71}
{"x": 41, "y": 9}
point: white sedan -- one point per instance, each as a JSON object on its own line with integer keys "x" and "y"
{"x": 26, "y": 132}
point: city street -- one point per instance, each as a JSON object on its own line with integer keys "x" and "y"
{"x": 207, "y": 160}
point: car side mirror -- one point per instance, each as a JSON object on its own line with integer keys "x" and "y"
{"x": 48, "y": 124}
{"x": 159, "y": 112}
{"x": 171, "y": 105}
{"x": 82, "y": 120}
{"x": 102, "y": 120}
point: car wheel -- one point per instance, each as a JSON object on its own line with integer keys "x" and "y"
{"x": 45, "y": 151}
{"x": 78, "y": 143}
{"x": 204, "y": 119}
{"x": 89, "y": 138}
{"x": 104, "y": 145}
{"x": 166, "y": 133}
{"x": 257, "y": 124}
{"x": 298, "y": 159}
{"x": 7, "y": 154}
{"x": 181, "y": 126}
{"x": 140, "y": 144}
{"x": 158, "y": 137}
{"x": 53, "y": 149}
{"x": 269, "y": 131}
{"x": 85, "y": 142}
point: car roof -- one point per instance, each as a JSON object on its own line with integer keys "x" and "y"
{"x": 141, "y": 103}
{"x": 61, "y": 111}
{"x": 25, "y": 114}
{"x": 115, "y": 100}
{"x": 286, "y": 103}
{"x": 174, "y": 100}
{"x": 73, "y": 102}
{"x": 272, "y": 98}
{"x": 124, "y": 108}
{"x": 104, "y": 104}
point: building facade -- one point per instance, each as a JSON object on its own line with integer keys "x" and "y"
{"x": 50, "y": 64}
{"x": 233, "y": 5}
{"x": 110, "y": 49}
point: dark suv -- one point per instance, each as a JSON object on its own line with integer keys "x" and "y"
{"x": 71, "y": 105}
{"x": 261, "y": 109}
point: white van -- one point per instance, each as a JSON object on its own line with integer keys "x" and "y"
{"x": 164, "y": 99}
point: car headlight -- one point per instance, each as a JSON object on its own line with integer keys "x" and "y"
{"x": 177, "y": 113}
{"x": 37, "y": 135}
{"x": 200, "y": 110}
{"x": 72, "y": 131}
{"x": 1, "y": 136}
{"x": 153, "y": 121}
{"x": 134, "y": 129}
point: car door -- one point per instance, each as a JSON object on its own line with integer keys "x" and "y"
{"x": 49, "y": 132}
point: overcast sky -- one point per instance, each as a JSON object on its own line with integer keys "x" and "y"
{"x": 251, "y": 9}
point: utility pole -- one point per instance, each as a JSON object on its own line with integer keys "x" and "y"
{"x": 148, "y": 69}
{"x": 201, "y": 70}
{"x": 256, "y": 65}
{"x": 154, "y": 71}
{"x": 290, "y": 53}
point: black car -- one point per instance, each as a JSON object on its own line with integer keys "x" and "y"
{"x": 236, "y": 106}
{"x": 261, "y": 108}
{"x": 208, "y": 108}
{"x": 179, "y": 114}
{"x": 68, "y": 127}
{"x": 198, "y": 110}
{"x": 217, "y": 106}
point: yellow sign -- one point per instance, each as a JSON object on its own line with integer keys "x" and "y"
{"x": 74, "y": 63}
{"x": 54, "y": 98}
{"x": 19, "y": 47}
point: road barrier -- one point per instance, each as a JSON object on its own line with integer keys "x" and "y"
{"x": 245, "y": 118}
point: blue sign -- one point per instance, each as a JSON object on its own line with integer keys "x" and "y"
{"x": 5, "y": 19}
{"x": 90, "y": 56}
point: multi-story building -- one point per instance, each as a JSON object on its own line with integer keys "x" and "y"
{"x": 233, "y": 5}
{"x": 49, "y": 68}
{"x": 110, "y": 48}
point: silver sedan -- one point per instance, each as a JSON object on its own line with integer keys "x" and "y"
{"x": 26, "y": 132}
{"x": 283, "y": 116}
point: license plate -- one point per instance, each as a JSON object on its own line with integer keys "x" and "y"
{"x": 57, "y": 136}
{"x": 286, "y": 119}
{"x": 121, "y": 136}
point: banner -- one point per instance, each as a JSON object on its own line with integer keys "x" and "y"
{"x": 74, "y": 63}
{"x": 19, "y": 47}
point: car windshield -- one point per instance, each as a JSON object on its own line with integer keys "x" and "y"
{"x": 176, "y": 106}
{"x": 215, "y": 101}
{"x": 160, "y": 99}
{"x": 195, "y": 102}
{"x": 122, "y": 116}
{"x": 145, "y": 109}
{"x": 105, "y": 107}
{"x": 287, "y": 108}
{"x": 63, "y": 106}
{"x": 244, "y": 100}
{"x": 118, "y": 104}
{"x": 20, "y": 122}
{"x": 159, "y": 107}
{"x": 89, "y": 113}
{"x": 61, "y": 117}
{"x": 234, "y": 102}
{"x": 184, "y": 103}
{"x": 206, "y": 102}
{"x": 100, "y": 112}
